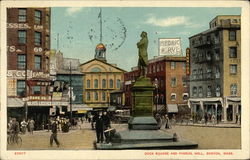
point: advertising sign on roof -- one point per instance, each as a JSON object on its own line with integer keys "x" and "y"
{"x": 170, "y": 47}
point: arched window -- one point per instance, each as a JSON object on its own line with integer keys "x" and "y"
{"x": 88, "y": 96}
{"x": 96, "y": 96}
{"x": 118, "y": 83}
{"x": 104, "y": 96}
{"x": 104, "y": 83}
{"x": 88, "y": 83}
{"x": 96, "y": 83}
{"x": 96, "y": 69}
{"x": 111, "y": 83}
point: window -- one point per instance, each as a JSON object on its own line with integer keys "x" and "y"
{"x": 22, "y": 37}
{"x": 47, "y": 42}
{"x": 96, "y": 96}
{"x": 103, "y": 83}
{"x": 22, "y": 14}
{"x": 185, "y": 96}
{"x": 232, "y": 52}
{"x": 184, "y": 81}
{"x": 208, "y": 55}
{"x": 20, "y": 88}
{"x": 96, "y": 83}
{"x": 37, "y": 90}
{"x": 111, "y": 83}
{"x": 38, "y": 62}
{"x": 173, "y": 97}
{"x": 194, "y": 74}
{"x": 153, "y": 69}
{"x": 103, "y": 96}
{"x": 233, "y": 89}
{"x": 200, "y": 73}
{"x": 38, "y": 17}
{"x": 217, "y": 72}
{"x": 209, "y": 91}
{"x": 118, "y": 84}
{"x": 217, "y": 91}
{"x": 88, "y": 83}
{"x": 173, "y": 82}
{"x": 47, "y": 63}
{"x": 173, "y": 65}
{"x": 233, "y": 68}
{"x": 209, "y": 73}
{"x": 232, "y": 35}
{"x": 21, "y": 61}
{"x": 200, "y": 91}
{"x": 88, "y": 96}
{"x": 47, "y": 20}
{"x": 38, "y": 40}
{"x": 194, "y": 91}
{"x": 217, "y": 54}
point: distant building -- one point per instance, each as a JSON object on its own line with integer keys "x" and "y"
{"x": 101, "y": 78}
{"x": 216, "y": 70}
{"x": 169, "y": 76}
{"x": 28, "y": 79}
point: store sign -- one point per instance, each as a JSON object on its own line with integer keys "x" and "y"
{"x": 188, "y": 61}
{"x": 170, "y": 46}
{"x": 12, "y": 87}
{"x": 30, "y": 74}
{"x": 39, "y": 97}
{"x": 47, "y": 103}
{"x": 23, "y": 26}
{"x": 57, "y": 96}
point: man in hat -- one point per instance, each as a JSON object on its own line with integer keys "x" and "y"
{"x": 53, "y": 136}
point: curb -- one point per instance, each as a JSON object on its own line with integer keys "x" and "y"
{"x": 211, "y": 126}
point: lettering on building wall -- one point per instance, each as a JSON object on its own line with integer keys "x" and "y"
{"x": 30, "y": 74}
{"x": 38, "y": 49}
{"x": 170, "y": 46}
{"x": 23, "y": 26}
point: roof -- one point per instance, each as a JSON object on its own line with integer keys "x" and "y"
{"x": 104, "y": 63}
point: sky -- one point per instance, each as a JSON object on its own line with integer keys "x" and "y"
{"x": 79, "y": 29}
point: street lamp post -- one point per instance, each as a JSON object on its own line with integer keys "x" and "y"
{"x": 70, "y": 92}
{"x": 156, "y": 83}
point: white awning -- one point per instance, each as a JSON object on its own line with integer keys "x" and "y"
{"x": 172, "y": 108}
{"x": 234, "y": 99}
{"x": 15, "y": 102}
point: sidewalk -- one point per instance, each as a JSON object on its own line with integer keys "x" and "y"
{"x": 219, "y": 125}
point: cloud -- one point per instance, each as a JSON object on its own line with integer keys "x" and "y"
{"x": 168, "y": 22}
{"x": 73, "y": 10}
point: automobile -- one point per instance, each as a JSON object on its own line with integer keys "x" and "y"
{"x": 122, "y": 116}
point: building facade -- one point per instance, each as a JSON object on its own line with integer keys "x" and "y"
{"x": 169, "y": 76}
{"x": 101, "y": 78}
{"x": 215, "y": 86}
{"x": 28, "y": 79}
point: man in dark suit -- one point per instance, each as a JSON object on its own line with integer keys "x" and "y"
{"x": 99, "y": 125}
{"x": 54, "y": 133}
{"x": 106, "y": 125}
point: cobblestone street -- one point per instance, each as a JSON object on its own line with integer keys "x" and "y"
{"x": 206, "y": 137}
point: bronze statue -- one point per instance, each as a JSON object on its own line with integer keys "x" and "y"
{"x": 143, "y": 54}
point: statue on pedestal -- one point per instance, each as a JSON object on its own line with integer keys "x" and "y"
{"x": 143, "y": 54}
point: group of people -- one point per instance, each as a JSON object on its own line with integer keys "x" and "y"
{"x": 23, "y": 127}
{"x": 102, "y": 124}
{"x": 163, "y": 121}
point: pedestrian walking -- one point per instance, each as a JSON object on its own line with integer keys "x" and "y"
{"x": 158, "y": 120}
{"x": 15, "y": 129}
{"x": 31, "y": 125}
{"x": 168, "y": 125}
{"x": 99, "y": 125}
{"x": 206, "y": 118}
{"x": 23, "y": 126}
{"x": 106, "y": 125}
{"x": 53, "y": 136}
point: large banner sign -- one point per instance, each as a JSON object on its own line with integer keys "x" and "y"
{"x": 170, "y": 47}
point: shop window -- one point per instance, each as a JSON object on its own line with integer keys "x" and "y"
{"x": 22, "y": 15}
{"x": 22, "y": 37}
{"x": 21, "y": 61}
{"x": 20, "y": 88}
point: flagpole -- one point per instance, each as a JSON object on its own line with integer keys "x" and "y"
{"x": 100, "y": 15}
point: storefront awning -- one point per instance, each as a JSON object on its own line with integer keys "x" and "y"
{"x": 15, "y": 102}
{"x": 172, "y": 108}
{"x": 78, "y": 107}
{"x": 234, "y": 99}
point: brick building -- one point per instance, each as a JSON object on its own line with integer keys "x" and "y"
{"x": 28, "y": 46}
{"x": 215, "y": 86}
{"x": 169, "y": 75}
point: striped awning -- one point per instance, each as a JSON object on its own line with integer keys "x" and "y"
{"x": 15, "y": 102}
